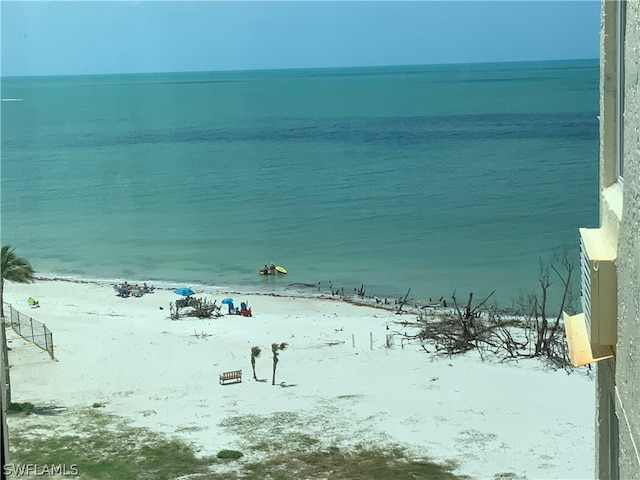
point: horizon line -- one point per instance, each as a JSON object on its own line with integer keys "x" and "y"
{"x": 273, "y": 69}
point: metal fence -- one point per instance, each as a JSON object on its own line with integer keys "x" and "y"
{"x": 29, "y": 329}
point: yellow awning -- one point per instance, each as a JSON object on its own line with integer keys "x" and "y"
{"x": 581, "y": 351}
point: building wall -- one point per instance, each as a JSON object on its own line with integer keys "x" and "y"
{"x": 618, "y": 380}
{"x": 628, "y": 348}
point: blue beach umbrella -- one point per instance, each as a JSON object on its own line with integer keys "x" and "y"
{"x": 184, "y": 291}
{"x": 227, "y": 301}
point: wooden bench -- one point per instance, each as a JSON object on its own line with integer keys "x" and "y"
{"x": 235, "y": 376}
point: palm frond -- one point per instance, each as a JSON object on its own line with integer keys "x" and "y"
{"x": 278, "y": 346}
{"x": 14, "y": 268}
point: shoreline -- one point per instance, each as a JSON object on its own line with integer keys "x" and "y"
{"x": 308, "y": 291}
{"x": 336, "y": 375}
{"x": 290, "y": 283}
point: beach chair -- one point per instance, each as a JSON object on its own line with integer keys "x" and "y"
{"x": 245, "y": 311}
{"x": 121, "y": 291}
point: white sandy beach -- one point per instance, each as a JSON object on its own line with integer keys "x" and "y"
{"x": 128, "y": 354}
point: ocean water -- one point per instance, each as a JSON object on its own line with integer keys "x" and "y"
{"x": 429, "y": 178}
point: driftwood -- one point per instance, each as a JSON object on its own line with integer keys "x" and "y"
{"x": 527, "y": 333}
{"x": 187, "y": 302}
{"x": 450, "y": 333}
{"x": 194, "y": 307}
{"x": 402, "y": 302}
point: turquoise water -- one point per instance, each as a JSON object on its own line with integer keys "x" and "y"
{"x": 432, "y": 178}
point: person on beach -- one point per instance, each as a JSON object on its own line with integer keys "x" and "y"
{"x": 272, "y": 269}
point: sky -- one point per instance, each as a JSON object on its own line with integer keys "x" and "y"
{"x": 92, "y": 37}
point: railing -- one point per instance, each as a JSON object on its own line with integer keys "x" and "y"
{"x": 29, "y": 329}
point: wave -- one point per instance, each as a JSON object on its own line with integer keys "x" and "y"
{"x": 12, "y": 99}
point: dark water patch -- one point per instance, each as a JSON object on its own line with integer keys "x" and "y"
{"x": 394, "y": 131}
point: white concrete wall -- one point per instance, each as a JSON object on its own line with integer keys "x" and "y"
{"x": 628, "y": 347}
{"x": 618, "y": 380}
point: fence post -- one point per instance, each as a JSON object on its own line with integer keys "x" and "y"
{"x": 48, "y": 340}
{"x": 6, "y": 379}
{"x": 4, "y": 384}
{"x": 371, "y": 340}
{"x": 33, "y": 337}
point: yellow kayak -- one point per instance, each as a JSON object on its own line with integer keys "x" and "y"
{"x": 281, "y": 269}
